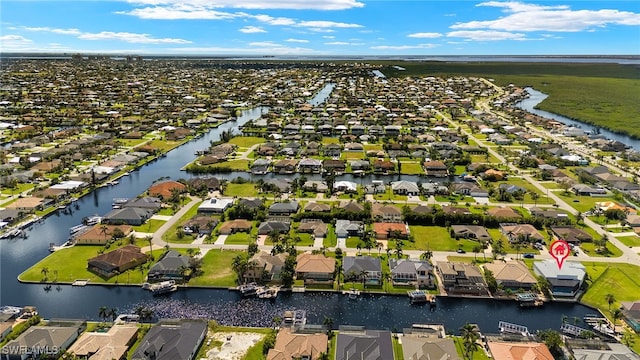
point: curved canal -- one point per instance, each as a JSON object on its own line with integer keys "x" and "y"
{"x": 374, "y": 311}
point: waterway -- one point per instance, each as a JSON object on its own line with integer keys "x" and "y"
{"x": 373, "y": 311}
{"x": 536, "y": 97}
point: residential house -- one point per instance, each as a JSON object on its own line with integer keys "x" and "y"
{"x": 165, "y": 189}
{"x": 291, "y": 345}
{"x": 521, "y": 232}
{"x": 315, "y": 227}
{"x": 270, "y": 226}
{"x": 418, "y": 347}
{"x": 476, "y": 232}
{"x": 315, "y": 268}
{"x": 251, "y": 204}
{"x": 376, "y": 187}
{"x": 129, "y": 216}
{"x": 383, "y": 167}
{"x": 435, "y": 168}
{"x": 310, "y": 166}
{"x": 461, "y": 278}
{"x": 411, "y": 272}
{"x": 331, "y": 150}
{"x": 234, "y": 226}
{"x": 405, "y": 187}
{"x": 144, "y": 202}
{"x": 284, "y": 208}
{"x": 336, "y": 167}
{"x": 613, "y": 351}
{"x": 117, "y": 261}
{"x": 172, "y": 339}
{"x": 571, "y": 234}
{"x": 390, "y": 230}
{"x": 29, "y": 204}
{"x": 351, "y": 206}
{"x": 285, "y": 166}
{"x": 631, "y": 313}
{"x": 315, "y": 186}
{"x": 200, "y": 225}
{"x": 113, "y": 344}
{"x": 260, "y": 166}
{"x": 386, "y": 213}
{"x": 265, "y": 267}
{"x": 519, "y": 351}
{"x": 345, "y": 186}
{"x": 39, "y": 341}
{"x": 346, "y": 228}
{"x": 100, "y": 234}
{"x": 503, "y": 212}
{"x": 565, "y": 281}
{"x": 512, "y": 275}
{"x": 317, "y": 207}
{"x": 209, "y": 183}
{"x": 547, "y": 213}
{"x": 215, "y": 205}
{"x": 353, "y": 268}
{"x": 587, "y": 190}
{"x": 364, "y": 345}
{"x": 469, "y": 189}
{"x": 360, "y": 165}
{"x": 280, "y": 185}
{"x": 455, "y": 210}
{"x": 171, "y": 266}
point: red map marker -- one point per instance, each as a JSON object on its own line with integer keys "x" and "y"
{"x": 559, "y": 250}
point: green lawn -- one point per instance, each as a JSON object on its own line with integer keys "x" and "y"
{"x": 241, "y": 190}
{"x": 411, "y": 168}
{"x": 20, "y": 188}
{"x": 611, "y": 278}
{"x": 389, "y": 195}
{"x": 235, "y": 165}
{"x": 583, "y": 203}
{"x": 331, "y": 240}
{"x": 239, "y": 238}
{"x": 590, "y": 249}
{"x": 436, "y": 238}
{"x": 152, "y": 225}
{"x": 330, "y": 140}
{"x": 246, "y": 141}
{"x": 352, "y": 155}
{"x": 630, "y": 241}
{"x": 171, "y": 234}
{"x": 216, "y": 267}
{"x": 131, "y": 142}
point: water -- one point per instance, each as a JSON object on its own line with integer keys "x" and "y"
{"x": 322, "y": 95}
{"x": 373, "y": 311}
{"x": 536, "y": 97}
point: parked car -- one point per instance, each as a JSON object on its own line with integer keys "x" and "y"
{"x": 528, "y": 256}
{"x": 460, "y": 251}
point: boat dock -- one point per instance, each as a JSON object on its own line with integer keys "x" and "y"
{"x": 509, "y": 328}
{"x": 572, "y": 330}
{"x": 80, "y": 282}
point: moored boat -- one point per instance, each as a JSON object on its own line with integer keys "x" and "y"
{"x": 160, "y": 288}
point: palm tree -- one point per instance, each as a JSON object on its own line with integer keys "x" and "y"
{"x": 103, "y": 231}
{"x": 328, "y": 323}
{"x": 113, "y": 313}
{"x": 469, "y": 338}
{"x": 427, "y": 255}
{"x": 616, "y": 315}
{"x": 610, "y": 300}
{"x": 44, "y": 272}
{"x": 277, "y": 320}
{"x": 476, "y": 249}
{"x": 103, "y": 313}
{"x": 363, "y": 276}
{"x": 150, "y": 240}
{"x": 55, "y": 274}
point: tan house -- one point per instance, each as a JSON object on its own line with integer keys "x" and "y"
{"x": 234, "y": 226}
{"x": 112, "y": 344}
{"x": 503, "y": 212}
{"x": 512, "y": 274}
{"x": 387, "y": 213}
{"x": 519, "y": 351}
{"x": 315, "y": 269}
{"x": 28, "y": 204}
{"x": 117, "y": 261}
{"x": 298, "y": 346}
{"x": 417, "y": 347}
{"x": 264, "y": 267}
{"x": 521, "y": 232}
{"x": 101, "y": 234}
{"x": 462, "y": 278}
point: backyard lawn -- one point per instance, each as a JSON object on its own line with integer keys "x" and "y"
{"x": 246, "y": 141}
{"x": 436, "y": 238}
{"x": 241, "y": 190}
{"x": 411, "y": 168}
{"x": 239, "y": 238}
{"x": 235, "y": 165}
{"x": 216, "y": 267}
{"x": 611, "y": 278}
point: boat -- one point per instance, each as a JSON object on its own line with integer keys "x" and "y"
{"x": 76, "y": 229}
{"x": 160, "y": 288}
{"x": 248, "y": 290}
{"x": 352, "y": 293}
{"x": 270, "y": 292}
{"x": 529, "y": 300}
{"x": 421, "y": 296}
{"x": 118, "y": 202}
{"x": 10, "y": 310}
{"x": 92, "y": 220}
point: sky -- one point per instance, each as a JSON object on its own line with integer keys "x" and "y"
{"x": 321, "y": 27}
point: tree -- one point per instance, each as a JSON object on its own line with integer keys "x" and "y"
{"x": 476, "y": 249}
{"x": 103, "y": 313}
{"x": 552, "y": 339}
{"x": 328, "y": 323}
{"x": 616, "y": 315}
{"x": 240, "y": 264}
{"x": 427, "y": 255}
{"x": 469, "y": 340}
{"x": 610, "y": 299}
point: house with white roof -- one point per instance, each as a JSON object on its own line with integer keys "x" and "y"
{"x": 215, "y": 205}
{"x": 566, "y": 280}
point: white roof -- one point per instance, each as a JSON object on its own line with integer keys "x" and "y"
{"x": 68, "y": 185}
{"x": 571, "y": 270}
{"x": 215, "y": 204}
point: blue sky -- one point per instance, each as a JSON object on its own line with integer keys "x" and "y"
{"x": 322, "y": 27}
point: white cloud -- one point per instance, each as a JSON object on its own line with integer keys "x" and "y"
{"x": 179, "y": 12}
{"x": 297, "y": 40}
{"x": 261, "y": 4}
{"x": 403, "y": 47}
{"x": 328, "y": 36}
{"x": 52, "y": 30}
{"x": 131, "y": 38}
{"x": 264, "y": 44}
{"x": 327, "y": 24}
{"x": 252, "y": 30}
{"x": 337, "y": 43}
{"x": 14, "y": 42}
{"x": 279, "y": 21}
{"x": 425, "y": 35}
{"x": 487, "y": 35}
{"x": 531, "y": 17}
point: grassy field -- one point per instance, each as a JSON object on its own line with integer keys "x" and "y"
{"x": 602, "y": 94}
{"x": 411, "y": 169}
{"x": 611, "y": 278}
{"x": 630, "y": 241}
{"x": 241, "y": 190}
{"x": 436, "y": 238}
{"x": 152, "y": 225}
{"x": 246, "y": 141}
{"x": 239, "y": 238}
{"x": 216, "y": 267}
{"x": 235, "y": 165}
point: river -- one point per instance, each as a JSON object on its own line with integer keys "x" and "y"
{"x": 373, "y": 311}
{"x": 535, "y": 97}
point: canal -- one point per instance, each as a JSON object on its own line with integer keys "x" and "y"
{"x": 373, "y": 311}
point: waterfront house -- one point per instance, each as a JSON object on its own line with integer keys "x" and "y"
{"x": 234, "y": 226}
{"x": 519, "y": 351}
{"x": 360, "y": 165}
{"x": 309, "y": 165}
{"x": 354, "y": 267}
{"x": 607, "y": 351}
{"x": 571, "y": 234}
{"x": 171, "y": 266}
{"x": 512, "y": 275}
{"x": 336, "y": 167}
{"x": 460, "y": 278}
{"x": 171, "y": 339}
{"x": 345, "y": 186}
{"x": 264, "y": 267}
{"x": 270, "y": 226}
{"x": 346, "y": 228}
{"x": 208, "y": 183}
{"x": 29, "y": 204}
{"x": 418, "y": 347}
{"x": 112, "y": 344}
{"x": 315, "y": 268}
{"x": 283, "y": 208}
{"x": 100, "y": 234}
{"x": 565, "y": 281}
{"x": 364, "y": 345}
{"x": 383, "y": 167}
{"x": 215, "y": 205}
{"x": 405, "y": 187}
{"x": 260, "y": 166}
{"x": 280, "y": 185}
{"x": 315, "y": 186}
{"x": 39, "y": 341}
{"x": 435, "y": 168}
{"x": 476, "y": 232}
{"x": 165, "y": 189}
{"x": 117, "y": 261}
{"x": 631, "y": 313}
{"x": 521, "y": 232}
{"x": 291, "y": 345}
{"x": 285, "y": 166}
{"x": 144, "y": 202}
{"x": 411, "y": 272}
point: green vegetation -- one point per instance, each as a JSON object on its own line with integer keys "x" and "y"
{"x": 436, "y": 238}
{"x": 239, "y": 238}
{"x": 246, "y": 141}
{"x": 150, "y": 226}
{"x": 630, "y": 241}
{"x": 216, "y": 269}
{"x": 240, "y": 190}
{"x": 411, "y": 169}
